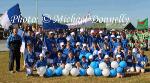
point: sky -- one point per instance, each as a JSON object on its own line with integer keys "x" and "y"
{"x": 134, "y": 9}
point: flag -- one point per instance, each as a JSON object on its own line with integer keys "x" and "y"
{"x": 141, "y": 25}
{"x": 11, "y": 16}
{"x": 51, "y": 24}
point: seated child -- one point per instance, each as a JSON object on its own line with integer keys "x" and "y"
{"x": 77, "y": 51}
{"x": 84, "y": 49}
{"x": 119, "y": 59}
{"x": 59, "y": 60}
{"x": 119, "y": 51}
{"x": 83, "y": 63}
{"x": 49, "y": 59}
{"x": 107, "y": 60}
{"x": 130, "y": 61}
{"x": 40, "y": 63}
{"x": 67, "y": 49}
{"x": 99, "y": 57}
{"x": 29, "y": 60}
{"x": 91, "y": 59}
{"x": 71, "y": 59}
{"x": 142, "y": 60}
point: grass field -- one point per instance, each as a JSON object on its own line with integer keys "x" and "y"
{"x": 6, "y": 77}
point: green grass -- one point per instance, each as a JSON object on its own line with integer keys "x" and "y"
{"x": 6, "y": 77}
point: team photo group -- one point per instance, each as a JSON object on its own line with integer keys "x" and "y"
{"x": 74, "y": 41}
{"x": 78, "y": 52}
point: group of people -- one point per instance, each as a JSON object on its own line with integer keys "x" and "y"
{"x": 57, "y": 48}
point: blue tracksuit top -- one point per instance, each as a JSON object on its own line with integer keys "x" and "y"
{"x": 59, "y": 61}
{"x": 84, "y": 64}
{"x": 84, "y": 52}
{"x": 77, "y": 51}
{"x": 30, "y": 59}
{"x": 72, "y": 41}
{"x": 29, "y": 39}
{"x": 49, "y": 42}
{"x": 140, "y": 61}
{"x": 91, "y": 39}
{"x": 72, "y": 61}
{"x": 66, "y": 51}
{"x": 124, "y": 43}
{"x": 129, "y": 60}
{"x": 82, "y": 39}
{"x": 41, "y": 63}
{"x": 14, "y": 42}
{"x": 62, "y": 39}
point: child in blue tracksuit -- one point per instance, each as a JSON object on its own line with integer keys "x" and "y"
{"x": 124, "y": 42}
{"x": 61, "y": 39}
{"x": 38, "y": 46}
{"x": 41, "y": 62}
{"x": 72, "y": 39}
{"x": 84, "y": 49}
{"x": 114, "y": 44}
{"x": 119, "y": 52}
{"x": 100, "y": 40}
{"x": 107, "y": 60}
{"x": 50, "y": 41}
{"x": 71, "y": 59}
{"x": 77, "y": 51}
{"x": 91, "y": 59}
{"x": 94, "y": 47}
{"x": 130, "y": 61}
{"x": 120, "y": 74}
{"x": 91, "y": 39}
{"x": 67, "y": 50}
{"x": 135, "y": 52}
{"x": 142, "y": 60}
{"x": 30, "y": 38}
{"x": 61, "y": 46}
{"x": 30, "y": 60}
{"x": 83, "y": 63}
{"x": 82, "y": 38}
{"x": 99, "y": 57}
{"x": 59, "y": 60}
{"x": 49, "y": 58}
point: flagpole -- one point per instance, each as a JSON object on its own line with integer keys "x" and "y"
{"x": 36, "y": 14}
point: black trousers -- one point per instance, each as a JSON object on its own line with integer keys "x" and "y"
{"x": 14, "y": 56}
